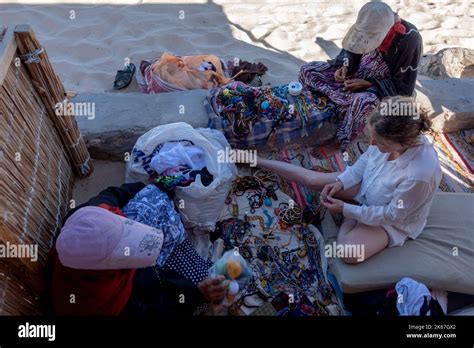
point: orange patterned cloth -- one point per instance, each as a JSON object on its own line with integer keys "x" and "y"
{"x": 190, "y": 72}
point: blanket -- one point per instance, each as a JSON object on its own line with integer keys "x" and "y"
{"x": 250, "y": 116}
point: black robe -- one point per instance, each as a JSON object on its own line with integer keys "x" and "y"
{"x": 402, "y": 59}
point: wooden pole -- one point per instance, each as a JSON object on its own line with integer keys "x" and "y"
{"x": 50, "y": 88}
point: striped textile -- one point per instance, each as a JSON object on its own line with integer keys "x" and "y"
{"x": 303, "y": 156}
{"x": 462, "y": 148}
{"x": 355, "y": 107}
{"x": 457, "y": 175}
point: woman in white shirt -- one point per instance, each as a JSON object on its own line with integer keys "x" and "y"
{"x": 386, "y": 195}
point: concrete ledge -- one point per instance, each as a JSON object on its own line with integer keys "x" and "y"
{"x": 449, "y": 102}
{"x": 120, "y": 118}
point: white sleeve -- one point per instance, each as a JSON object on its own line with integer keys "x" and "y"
{"x": 353, "y": 174}
{"x": 408, "y": 197}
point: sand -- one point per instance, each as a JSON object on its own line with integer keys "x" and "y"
{"x": 88, "y": 41}
{"x": 106, "y": 173}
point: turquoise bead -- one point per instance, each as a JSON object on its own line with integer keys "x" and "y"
{"x": 265, "y": 104}
{"x": 268, "y": 202}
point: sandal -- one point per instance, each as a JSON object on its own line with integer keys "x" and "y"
{"x": 124, "y": 77}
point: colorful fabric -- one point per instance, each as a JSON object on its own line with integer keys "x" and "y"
{"x": 170, "y": 73}
{"x": 152, "y": 207}
{"x": 183, "y": 178}
{"x": 457, "y": 177}
{"x": 303, "y": 195}
{"x": 463, "y": 148}
{"x": 250, "y": 116}
{"x": 170, "y": 182}
{"x": 397, "y": 28}
{"x": 354, "y": 107}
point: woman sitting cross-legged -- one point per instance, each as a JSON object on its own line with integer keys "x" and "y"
{"x": 386, "y": 195}
{"x": 380, "y": 58}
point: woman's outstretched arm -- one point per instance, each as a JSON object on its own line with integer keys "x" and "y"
{"x": 315, "y": 180}
{"x": 298, "y": 174}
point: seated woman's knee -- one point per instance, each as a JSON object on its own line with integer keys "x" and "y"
{"x": 350, "y": 246}
{"x": 352, "y": 260}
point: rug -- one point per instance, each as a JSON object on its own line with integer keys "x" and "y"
{"x": 456, "y": 157}
{"x": 304, "y": 156}
{"x": 463, "y": 149}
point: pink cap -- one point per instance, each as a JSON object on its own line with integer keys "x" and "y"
{"x": 95, "y": 238}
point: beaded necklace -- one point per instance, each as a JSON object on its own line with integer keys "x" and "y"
{"x": 263, "y": 186}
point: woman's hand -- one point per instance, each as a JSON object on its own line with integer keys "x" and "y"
{"x": 213, "y": 289}
{"x": 356, "y": 85}
{"x": 340, "y": 74}
{"x": 333, "y": 205}
{"x": 330, "y": 189}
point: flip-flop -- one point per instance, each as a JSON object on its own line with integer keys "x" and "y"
{"x": 124, "y": 77}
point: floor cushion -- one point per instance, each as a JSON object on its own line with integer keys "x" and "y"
{"x": 441, "y": 257}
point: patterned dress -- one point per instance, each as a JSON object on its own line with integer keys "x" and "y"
{"x": 152, "y": 207}
{"x": 353, "y": 107}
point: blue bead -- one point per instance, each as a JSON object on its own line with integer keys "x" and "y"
{"x": 268, "y": 202}
{"x": 265, "y": 104}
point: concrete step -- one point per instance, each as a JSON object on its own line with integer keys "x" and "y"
{"x": 120, "y": 118}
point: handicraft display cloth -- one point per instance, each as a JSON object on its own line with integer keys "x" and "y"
{"x": 250, "y": 116}
{"x": 286, "y": 256}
